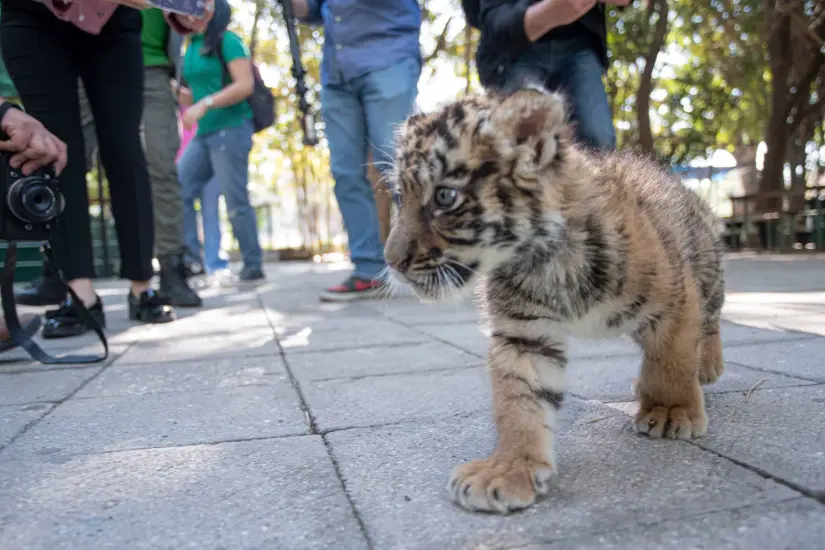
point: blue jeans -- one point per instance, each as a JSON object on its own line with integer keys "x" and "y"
{"x": 362, "y": 113}
{"x": 210, "y": 216}
{"x": 224, "y": 157}
{"x": 572, "y": 68}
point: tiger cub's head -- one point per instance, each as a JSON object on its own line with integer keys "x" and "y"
{"x": 476, "y": 181}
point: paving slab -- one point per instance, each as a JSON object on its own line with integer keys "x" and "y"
{"x": 50, "y": 385}
{"x": 274, "y": 494}
{"x": 14, "y": 419}
{"x": 211, "y": 374}
{"x": 609, "y": 478}
{"x": 800, "y": 358}
{"x": 371, "y": 361}
{"x": 352, "y": 333}
{"x": 796, "y": 524}
{"x": 244, "y": 343}
{"x": 610, "y": 379}
{"x": 18, "y": 360}
{"x": 779, "y": 431}
{"x": 123, "y": 422}
{"x": 401, "y": 398}
{"x": 411, "y": 311}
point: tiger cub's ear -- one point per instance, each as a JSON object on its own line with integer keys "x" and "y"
{"x": 527, "y": 126}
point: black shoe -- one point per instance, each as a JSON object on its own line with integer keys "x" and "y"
{"x": 249, "y": 273}
{"x": 150, "y": 307}
{"x": 66, "y": 321}
{"x": 173, "y": 283}
{"x": 43, "y": 291}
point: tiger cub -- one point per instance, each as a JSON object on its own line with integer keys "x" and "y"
{"x": 560, "y": 242}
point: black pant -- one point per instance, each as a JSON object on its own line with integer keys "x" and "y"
{"x": 44, "y": 57}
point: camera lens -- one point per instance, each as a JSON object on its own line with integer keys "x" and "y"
{"x": 34, "y": 200}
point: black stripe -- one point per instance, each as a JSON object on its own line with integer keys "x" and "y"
{"x": 536, "y": 347}
{"x": 554, "y": 398}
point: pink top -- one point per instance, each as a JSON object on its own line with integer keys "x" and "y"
{"x": 186, "y": 135}
{"x": 87, "y": 15}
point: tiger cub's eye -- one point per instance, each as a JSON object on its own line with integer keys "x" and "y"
{"x": 445, "y": 197}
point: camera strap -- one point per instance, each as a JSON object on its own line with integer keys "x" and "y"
{"x": 13, "y": 321}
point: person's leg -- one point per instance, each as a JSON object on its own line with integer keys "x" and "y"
{"x": 389, "y": 98}
{"x": 580, "y": 78}
{"x": 194, "y": 172}
{"x": 210, "y": 214}
{"x": 42, "y": 55}
{"x": 112, "y": 75}
{"x": 161, "y": 141}
{"x": 345, "y": 129}
{"x": 229, "y": 153}
{"x": 47, "y": 290}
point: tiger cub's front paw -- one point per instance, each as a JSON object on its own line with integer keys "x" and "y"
{"x": 503, "y": 483}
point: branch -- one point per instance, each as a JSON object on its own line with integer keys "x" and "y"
{"x": 440, "y": 44}
{"x": 804, "y": 85}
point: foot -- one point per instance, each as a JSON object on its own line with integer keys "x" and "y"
{"x": 150, "y": 307}
{"x": 44, "y": 291}
{"x": 251, "y": 273}
{"x": 354, "y": 288}
{"x": 503, "y": 483}
{"x": 173, "y": 283}
{"x": 66, "y": 322}
{"x": 676, "y": 422}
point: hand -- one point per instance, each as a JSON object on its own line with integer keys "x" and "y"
{"x": 570, "y": 11}
{"x": 194, "y": 113}
{"x": 33, "y": 146}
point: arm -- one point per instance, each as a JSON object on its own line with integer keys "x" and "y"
{"x": 243, "y": 82}
{"x": 522, "y": 22}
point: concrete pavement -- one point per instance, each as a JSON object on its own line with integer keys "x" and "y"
{"x": 268, "y": 420}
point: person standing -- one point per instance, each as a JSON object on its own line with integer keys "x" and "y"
{"x": 46, "y": 48}
{"x": 369, "y": 77}
{"x": 161, "y": 54}
{"x": 216, "y": 100}
{"x": 561, "y": 44}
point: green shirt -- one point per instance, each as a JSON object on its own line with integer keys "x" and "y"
{"x": 205, "y": 76}
{"x": 7, "y": 90}
{"x": 154, "y": 37}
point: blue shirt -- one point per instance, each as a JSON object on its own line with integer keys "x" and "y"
{"x": 361, "y": 36}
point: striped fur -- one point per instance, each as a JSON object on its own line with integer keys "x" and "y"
{"x": 560, "y": 242}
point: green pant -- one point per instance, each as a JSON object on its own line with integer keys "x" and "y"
{"x": 161, "y": 141}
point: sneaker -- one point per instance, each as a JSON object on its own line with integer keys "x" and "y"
{"x": 354, "y": 288}
{"x": 250, "y": 273}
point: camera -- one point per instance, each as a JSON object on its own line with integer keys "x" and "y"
{"x": 29, "y": 205}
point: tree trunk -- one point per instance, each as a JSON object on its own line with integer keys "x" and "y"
{"x": 646, "y": 82}
{"x": 779, "y": 48}
{"x": 468, "y": 56}
{"x": 253, "y": 37}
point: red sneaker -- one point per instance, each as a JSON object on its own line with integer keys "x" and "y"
{"x": 354, "y": 288}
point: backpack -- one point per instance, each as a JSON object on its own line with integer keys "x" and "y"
{"x": 262, "y": 102}
{"x": 471, "y": 9}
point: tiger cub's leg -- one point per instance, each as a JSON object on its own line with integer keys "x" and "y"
{"x": 528, "y": 384}
{"x": 712, "y": 361}
{"x": 671, "y": 403}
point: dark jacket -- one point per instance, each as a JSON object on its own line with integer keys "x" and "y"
{"x": 504, "y": 42}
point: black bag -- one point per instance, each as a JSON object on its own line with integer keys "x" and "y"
{"x": 471, "y": 9}
{"x": 262, "y": 102}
